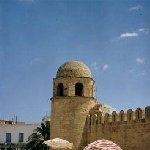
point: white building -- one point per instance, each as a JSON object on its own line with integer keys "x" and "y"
{"x": 14, "y": 136}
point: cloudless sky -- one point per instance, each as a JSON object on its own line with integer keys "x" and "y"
{"x": 37, "y": 36}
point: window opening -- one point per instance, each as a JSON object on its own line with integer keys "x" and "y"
{"x": 60, "y": 89}
{"x": 79, "y": 89}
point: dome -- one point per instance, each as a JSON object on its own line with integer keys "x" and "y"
{"x": 73, "y": 69}
{"x": 107, "y": 109}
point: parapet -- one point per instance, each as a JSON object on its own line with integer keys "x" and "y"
{"x": 123, "y": 117}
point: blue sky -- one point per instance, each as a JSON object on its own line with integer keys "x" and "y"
{"x": 37, "y": 36}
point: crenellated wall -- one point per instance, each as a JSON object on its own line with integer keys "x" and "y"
{"x": 130, "y": 129}
{"x": 77, "y": 117}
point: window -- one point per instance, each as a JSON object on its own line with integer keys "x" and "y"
{"x": 60, "y": 89}
{"x": 8, "y": 137}
{"x": 79, "y": 89}
{"x": 21, "y": 136}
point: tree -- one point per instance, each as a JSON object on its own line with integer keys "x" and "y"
{"x": 37, "y": 138}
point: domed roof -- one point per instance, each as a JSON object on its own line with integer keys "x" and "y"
{"x": 73, "y": 69}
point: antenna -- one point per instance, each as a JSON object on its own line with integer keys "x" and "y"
{"x": 16, "y": 119}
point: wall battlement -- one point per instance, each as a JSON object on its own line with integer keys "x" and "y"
{"x": 75, "y": 110}
{"x": 123, "y": 117}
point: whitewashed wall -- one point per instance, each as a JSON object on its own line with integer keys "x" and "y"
{"x": 15, "y": 129}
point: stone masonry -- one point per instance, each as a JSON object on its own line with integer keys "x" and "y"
{"x": 77, "y": 117}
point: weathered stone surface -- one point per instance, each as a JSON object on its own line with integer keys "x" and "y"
{"x": 130, "y": 133}
{"x": 73, "y": 69}
{"x": 69, "y": 118}
{"x": 81, "y": 120}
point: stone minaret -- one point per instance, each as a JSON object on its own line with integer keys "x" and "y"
{"x": 73, "y": 97}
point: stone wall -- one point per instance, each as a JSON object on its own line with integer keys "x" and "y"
{"x": 77, "y": 117}
{"x": 130, "y": 130}
{"x": 69, "y": 86}
{"x": 69, "y": 117}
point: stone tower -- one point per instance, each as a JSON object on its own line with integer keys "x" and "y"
{"x": 73, "y": 97}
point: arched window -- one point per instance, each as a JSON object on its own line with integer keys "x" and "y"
{"x": 79, "y": 89}
{"x": 60, "y": 89}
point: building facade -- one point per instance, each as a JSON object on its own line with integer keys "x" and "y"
{"x": 13, "y": 136}
{"x": 76, "y": 115}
